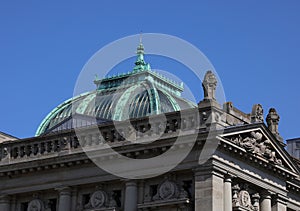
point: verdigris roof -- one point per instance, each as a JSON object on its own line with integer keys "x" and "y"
{"x": 141, "y": 92}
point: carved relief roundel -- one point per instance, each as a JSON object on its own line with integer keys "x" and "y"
{"x": 167, "y": 190}
{"x": 35, "y": 205}
{"x": 245, "y": 199}
{"x": 98, "y": 199}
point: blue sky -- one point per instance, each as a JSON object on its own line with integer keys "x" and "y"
{"x": 253, "y": 45}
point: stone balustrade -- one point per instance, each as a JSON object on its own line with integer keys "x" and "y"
{"x": 111, "y": 133}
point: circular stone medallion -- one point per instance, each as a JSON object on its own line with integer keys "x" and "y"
{"x": 245, "y": 199}
{"x": 167, "y": 190}
{"x": 98, "y": 199}
{"x": 35, "y": 205}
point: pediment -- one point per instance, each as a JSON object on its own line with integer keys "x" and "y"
{"x": 258, "y": 142}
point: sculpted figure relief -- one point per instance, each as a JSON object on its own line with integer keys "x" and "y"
{"x": 255, "y": 143}
{"x": 242, "y": 198}
{"x": 168, "y": 190}
{"x": 245, "y": 199}
{"x": 250, "y": 143}
{"x": 99, "y": 199}
{"x": 35, "y": 205}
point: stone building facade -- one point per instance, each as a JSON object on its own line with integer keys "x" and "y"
{"x": 247, "y": 166}
{"x": 293, "y": 147}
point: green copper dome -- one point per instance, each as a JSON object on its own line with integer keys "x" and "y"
{"x": 139, "y": 93}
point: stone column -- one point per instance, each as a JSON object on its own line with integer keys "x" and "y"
{"x": 73, "y": 198}
{"x": 280, "y": 203}
{"x": 4, "y": 203}
{"x": 265, "y": 204}
{"x": 131, "y": 196}
{"x": 64, "y": 203}
{"x": 209, "y": 190}
{"x": 227, "y": 194}
{"x": 141, "y": 192}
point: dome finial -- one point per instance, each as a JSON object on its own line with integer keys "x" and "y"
{"x": 140, "y": 48}
{"x": 141, "y": 37}
{"x": 140, "y": 64}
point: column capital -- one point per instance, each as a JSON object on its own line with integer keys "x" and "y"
{"x": 229, "y": 177}
{"x": 141, "y": 182}
{"x": 130, "y": 183}
{"x": 64, "y": 190}
{"x": 74, "y": 190}
{"x": 64, "y": 203}
{"x": 266, "y": 194}
{"x": 4, "y": 199}
{"x": 4, "y": 202}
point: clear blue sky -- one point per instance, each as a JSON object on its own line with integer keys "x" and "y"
{"x": 254, "y": 46}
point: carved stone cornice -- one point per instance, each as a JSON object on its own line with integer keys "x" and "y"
{"x": 291, "y": 186}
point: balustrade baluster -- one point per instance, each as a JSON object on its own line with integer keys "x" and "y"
{"x": 39, "y": 148}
